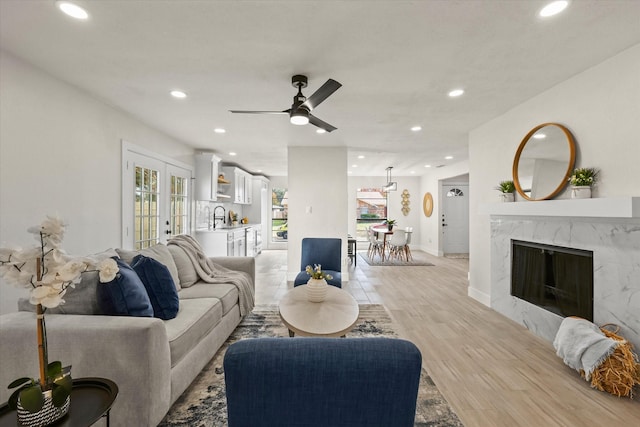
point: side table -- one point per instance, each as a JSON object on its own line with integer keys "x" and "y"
{"x": 91, "y": 399}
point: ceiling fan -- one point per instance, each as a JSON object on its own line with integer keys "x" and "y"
{"x": 300, "y": 111}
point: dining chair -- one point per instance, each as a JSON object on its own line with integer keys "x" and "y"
{"x": 397, "y": 244}
{"x": 407, "y": 250}
{"x": 376, "y": 245}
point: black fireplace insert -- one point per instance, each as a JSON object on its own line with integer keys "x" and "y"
{"x": 555, "y": 278}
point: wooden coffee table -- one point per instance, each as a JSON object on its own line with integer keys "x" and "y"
{"x": 333, "y": 317}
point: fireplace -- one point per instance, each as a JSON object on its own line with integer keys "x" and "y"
{"x": 555, "y": 278}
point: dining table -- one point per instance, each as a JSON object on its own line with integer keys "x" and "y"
{"x": 384, "y": 230}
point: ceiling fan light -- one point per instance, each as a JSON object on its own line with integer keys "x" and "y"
{"x": 300, "y": 117}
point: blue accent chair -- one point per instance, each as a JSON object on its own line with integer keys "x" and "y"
{"x": 337, "y": 382}
{"x": 324, "y": 251}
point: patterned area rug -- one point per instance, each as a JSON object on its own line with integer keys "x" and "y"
{"x": 203, "y": 404}
{"x": 419, "y": 259}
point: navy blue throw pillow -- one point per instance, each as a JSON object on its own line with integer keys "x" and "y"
{"x": 125, "y": 295}
{"x": 160, "y": 286}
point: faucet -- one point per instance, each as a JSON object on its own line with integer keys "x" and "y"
{"x": 223, "y": 217}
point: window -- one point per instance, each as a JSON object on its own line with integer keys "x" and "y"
{"x": 146, "y": 208}
{"x": 455, "y": 192}
{"x": 371, "y": 208}
{"x": 179, "y": 216}
{"x": 280, "y": 209}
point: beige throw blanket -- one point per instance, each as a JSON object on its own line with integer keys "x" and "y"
{"x": 210, "y": 272}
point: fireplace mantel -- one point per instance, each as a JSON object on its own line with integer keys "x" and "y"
{"x": 610, "y": 207}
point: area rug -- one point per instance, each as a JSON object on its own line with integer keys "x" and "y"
{"x": 417, "y": 261}
{"x": 203, "y": 404}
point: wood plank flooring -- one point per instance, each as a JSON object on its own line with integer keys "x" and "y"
{"x": 492, "y": 371}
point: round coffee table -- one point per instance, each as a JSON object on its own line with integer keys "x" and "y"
{"x": 91, "y": 399}
{"x": 333, "y": 317}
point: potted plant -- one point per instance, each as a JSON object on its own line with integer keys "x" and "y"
{"x": 390, "y": 224}
{"x": 48, "y": 272}
{"x": 581, "y": 180}
{"x": 506, "y": 188}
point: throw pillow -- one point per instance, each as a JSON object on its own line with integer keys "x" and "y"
{"x": 158, "y": 252}
{"x": 186, "y": 271}
{"x": 157, "y": 281}
{"x": 125, "y": 295}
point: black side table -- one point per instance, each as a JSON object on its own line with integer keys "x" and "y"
{"x": 91, "y": 399}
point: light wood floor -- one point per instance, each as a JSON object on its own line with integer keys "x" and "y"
{"x": 492, "y": 371}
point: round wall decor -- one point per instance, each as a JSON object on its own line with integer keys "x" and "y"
{"x": 427, "y": 204}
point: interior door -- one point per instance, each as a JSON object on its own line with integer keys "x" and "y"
{"x": 455, "y": 218}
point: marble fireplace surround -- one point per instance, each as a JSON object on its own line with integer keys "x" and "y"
{"x": 610, "y": 227}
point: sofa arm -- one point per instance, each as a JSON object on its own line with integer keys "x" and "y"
{"x": 239, "y": 263}
{"x": 131, "y": 351}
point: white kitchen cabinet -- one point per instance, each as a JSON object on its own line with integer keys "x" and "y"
{"x": 241, "y": 185}
{"x": 206, "y": 186}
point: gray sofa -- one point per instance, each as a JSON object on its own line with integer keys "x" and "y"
{"x": 152, "y": 361}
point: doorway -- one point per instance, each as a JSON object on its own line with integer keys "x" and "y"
{"x": 455, "y": 218}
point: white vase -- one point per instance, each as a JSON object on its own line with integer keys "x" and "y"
{"x": 317, "y": 290}
{"x": 581, "y": 192}
{"x": 45, "y": 416}
{"x": 507, "y": 197}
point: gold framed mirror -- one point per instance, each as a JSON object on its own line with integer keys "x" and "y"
{"x": 543, "y": 162}
{"x": 427, "y": 204}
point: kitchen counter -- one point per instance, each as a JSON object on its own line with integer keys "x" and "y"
{"x": 225, "y": 228}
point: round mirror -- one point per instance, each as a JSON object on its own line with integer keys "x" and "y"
{"x": 544, "y": 161}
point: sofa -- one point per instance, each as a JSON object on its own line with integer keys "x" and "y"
{"x": 151, "y": 360}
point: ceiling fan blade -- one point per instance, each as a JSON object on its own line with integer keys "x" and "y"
{"x": 321, "y": 124}
{"x": 260, "y": 112}
{"x": 321, "y": 94}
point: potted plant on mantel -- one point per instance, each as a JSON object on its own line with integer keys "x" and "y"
{"x": 48, "y": 272}
{"x": 581, "y": 180}
{"x": 506, "y": 188}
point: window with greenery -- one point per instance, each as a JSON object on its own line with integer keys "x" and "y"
{"x": 280, "y": 209}
{"x": 179, "y": 216}
{"x": 371, "y": 208}
{"x": 147, "y": 191}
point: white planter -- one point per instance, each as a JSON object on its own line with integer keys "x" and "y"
{"x": 507, "y": 197}
{"x": 581, "y": 192}
{"x": 317, "y": 290}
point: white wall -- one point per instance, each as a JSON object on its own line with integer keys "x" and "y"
{"x": 320, "y": 185}
{"x": 394, "y": 207}
{"x": 601, "y": 107}
{"x": 430, "y": 229}
{"x": 60, "y": 153}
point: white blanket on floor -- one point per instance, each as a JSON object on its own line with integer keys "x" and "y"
{"x": 582, "y": 345}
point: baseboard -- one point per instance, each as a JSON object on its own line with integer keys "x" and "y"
{"x": 479, "y": 296}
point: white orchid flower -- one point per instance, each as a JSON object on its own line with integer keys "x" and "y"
{"x": 108, "y": 270}
{"x": 71, "y": 271}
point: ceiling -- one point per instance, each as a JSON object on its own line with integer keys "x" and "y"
{"x": 396, "y": 60}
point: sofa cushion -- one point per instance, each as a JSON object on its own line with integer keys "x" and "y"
{"x": 186, "y": 271}
{"x": 83, "y": 298}
{"x": 158, "y": 252}
{"x": 125, "y": 295}
{"x": 196, "y": 318}
{"x": 225, "y": 292}
{"x": 157, "y": 281}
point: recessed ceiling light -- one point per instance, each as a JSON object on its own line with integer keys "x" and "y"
{"x": 539, "y": 136}
{"x": 456, "y": 92}
{"x": 427, "y": 166}
{"x": 413, "y": 171}
{"x": 321, "y": 131}
{"x": 553, "y": 8}
{"x": 416, "y": 128}
{"x": 354, "y": 166}
{"x": 72, "y": 10}
{"x": 220, "y": 130}
{"x": 361, "y": 156}
{"x": 232, "y": 153}
{"x": 448, "y": 157}
{"x": 178, "y": 94}
{"x": 259, "y": 170}
{"x": 349, "y": 171}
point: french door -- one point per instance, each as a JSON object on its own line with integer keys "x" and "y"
{"x": 156, "y": 198}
